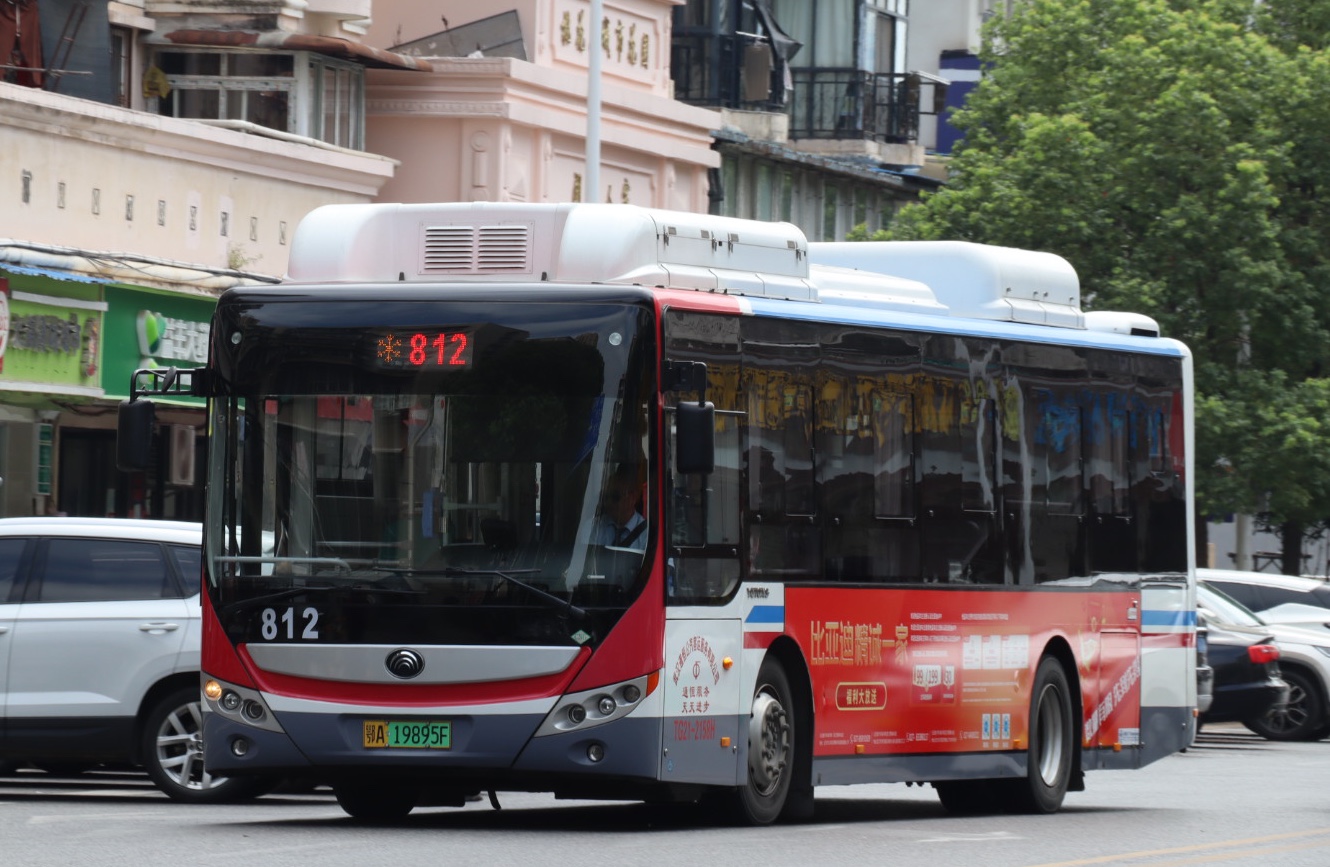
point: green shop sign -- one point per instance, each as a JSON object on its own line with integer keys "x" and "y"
{"x": 147, "y": 329}
{"x": 51, "y": 344}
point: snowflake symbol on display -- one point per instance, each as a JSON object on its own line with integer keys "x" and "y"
{"x": 390, "y": 349}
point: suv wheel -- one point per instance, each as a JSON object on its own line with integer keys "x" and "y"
{"x": 172, "y": 750}
{"x": 1303, "y": 719}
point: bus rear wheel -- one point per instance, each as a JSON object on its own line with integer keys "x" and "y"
{"x": 1051, "y": 745}
{"x": 771, "y": 745}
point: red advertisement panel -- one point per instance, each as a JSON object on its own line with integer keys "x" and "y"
{"x": 931, "y": 671}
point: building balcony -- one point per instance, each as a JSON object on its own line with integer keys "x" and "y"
{"x": 851, "y": 104}
{"x": 739, "y": 72}
{"x": 733, "y": 71}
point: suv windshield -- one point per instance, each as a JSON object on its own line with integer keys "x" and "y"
{"x": 433, "y": 473}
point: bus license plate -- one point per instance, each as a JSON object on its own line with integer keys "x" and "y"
{"x": 408, "y": 734}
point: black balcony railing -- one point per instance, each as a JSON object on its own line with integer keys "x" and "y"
{"x": 738, "y": 71}
{"x": 727, "y": 71}
{"x": 850, "y": 104}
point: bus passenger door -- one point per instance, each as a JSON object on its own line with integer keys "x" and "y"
{"x": 705, "y": 725}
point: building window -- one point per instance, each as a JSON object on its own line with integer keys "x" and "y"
{"x": 293, "y": 92}
{"x": 763, "y": 192}
{"x": 122, "y": 57}
{"x": 339, "y": 88}
{"x": 830, "y": 212}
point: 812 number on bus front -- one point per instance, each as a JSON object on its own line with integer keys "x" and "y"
{"x": 289, "y": 624}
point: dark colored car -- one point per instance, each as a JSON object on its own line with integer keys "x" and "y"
{"x": 1247, "y": 682}
{"x": 1205, "y": 675}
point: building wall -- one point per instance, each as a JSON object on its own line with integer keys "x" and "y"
{"x": 100, "y": 178}
{"x": 555, "y": 33}
{"x": 500, "y": 129}
{"x": 937, "y": 26}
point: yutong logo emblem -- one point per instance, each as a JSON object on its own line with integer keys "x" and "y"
{"x": 405, "y": 664}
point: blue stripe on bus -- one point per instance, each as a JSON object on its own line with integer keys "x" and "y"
{"x": 766, "y": 614}
{"x": 836, "y": 313}
{"x": 1168, "y": 618}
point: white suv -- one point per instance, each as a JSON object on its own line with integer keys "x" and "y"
{"x": 1304, "y": 661}
{"x": 99, "y": 650}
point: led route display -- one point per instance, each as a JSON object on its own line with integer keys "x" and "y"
{"x": 434, "y": 350}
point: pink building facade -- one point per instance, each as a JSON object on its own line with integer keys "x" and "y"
{"x": 504, "y": 128}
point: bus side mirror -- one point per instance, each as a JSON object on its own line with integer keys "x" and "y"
{"x": 133, "y": 441}
{"x": 695, "y": 437}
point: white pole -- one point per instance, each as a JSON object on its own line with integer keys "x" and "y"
{"x": 591, "y": 189}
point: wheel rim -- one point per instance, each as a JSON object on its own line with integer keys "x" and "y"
{"x": 1052, "y": 735}
{"x": 1293, "y": 715}
{"x": 180, "y": 749}
{"x": 768, "y": 743}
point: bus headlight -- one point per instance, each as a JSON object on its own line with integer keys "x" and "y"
{"x": 239, "y": 704}
{"x": 581, "y": 710}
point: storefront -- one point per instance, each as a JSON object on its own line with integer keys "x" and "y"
{"x": 148, "y": 328}
{"x": 50, "y": 360}
{"x": 69, "y": 344}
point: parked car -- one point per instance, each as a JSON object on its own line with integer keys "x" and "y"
{"x": 1304, "y": 662}
{"x": 1276, "y": 598}
{"x": 1248, "y": 684}
{"x": 1205, "y": 674}
{"x": 99, "y": 651}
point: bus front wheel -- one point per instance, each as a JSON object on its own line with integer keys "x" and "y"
{"x": 771, "y": 745}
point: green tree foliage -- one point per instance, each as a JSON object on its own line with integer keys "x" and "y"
{"x": 1177, "y": 153}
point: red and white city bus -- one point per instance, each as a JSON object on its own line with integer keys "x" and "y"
{"x": 910, "y": 515}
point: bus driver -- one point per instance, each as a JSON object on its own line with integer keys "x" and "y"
{"x": 620, "y": 524}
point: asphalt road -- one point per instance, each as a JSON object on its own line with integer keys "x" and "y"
{"x": 1232, "y": 799}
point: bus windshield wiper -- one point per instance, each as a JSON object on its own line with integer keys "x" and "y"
{"x": 566, "y": 605}
{"x": 272, "y": 597}
{"x": 312, "y": 588}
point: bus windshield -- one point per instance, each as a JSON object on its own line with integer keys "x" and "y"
{"x": 376, "y": 481}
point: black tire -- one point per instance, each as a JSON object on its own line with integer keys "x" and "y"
{"x": 969, "y": 797}
{"x": 172, "y": 749}
{"x": 771, "y": 746}
{"x": 1052, "y": 745}
{"x": 1302, "y": 719}
{"x": 376, "y": 803}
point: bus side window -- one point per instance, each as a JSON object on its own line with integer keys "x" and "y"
{"x": 704, "y": 521}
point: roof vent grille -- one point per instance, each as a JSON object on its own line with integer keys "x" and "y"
{"x": 504, "y": 248}
{"x": 476, "y": 249}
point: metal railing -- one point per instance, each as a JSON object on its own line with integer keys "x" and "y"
{"x": 712, "y": 70}
{"x": 826, "y": 103}
{"x": 850, "y": 104}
